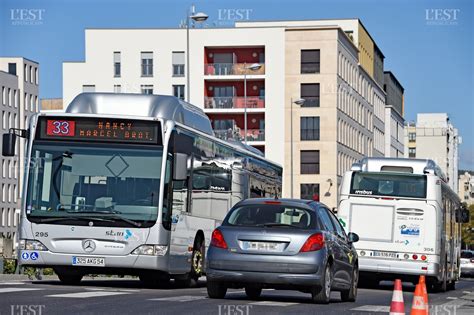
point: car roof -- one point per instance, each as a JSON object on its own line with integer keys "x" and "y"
{"x": 284, "y": 201}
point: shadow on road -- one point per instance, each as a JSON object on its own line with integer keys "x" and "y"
{"x": 117, "y": 283}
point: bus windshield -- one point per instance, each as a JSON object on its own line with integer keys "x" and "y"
{"x": 108, "y": 185}
{"x": 388, "y": 184}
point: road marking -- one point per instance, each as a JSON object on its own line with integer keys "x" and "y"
{"x": 8, "y": 290}
{"x": 83, "y": 295}
{"x": 372, "y": 308}
{"x": 184, "y": 298}
{"x": 451, "y": 298}
{"x": 112, "y": 290}
{"x": 272, "y": 303}
{"x": 12, "y": 283}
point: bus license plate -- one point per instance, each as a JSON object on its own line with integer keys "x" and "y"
{"x": 88, "y": 261}
{"x": 384, "y": 254}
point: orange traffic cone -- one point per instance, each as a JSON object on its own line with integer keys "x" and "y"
{"x": 397, "y": 307}
{"x": 422, "y": 282}
{"x": 418, "y": 305}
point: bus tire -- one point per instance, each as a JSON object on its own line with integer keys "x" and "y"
{"x": 197, "y": 266}
{"x": 442, "y": 286}
{"x": 452, "y": 285}
{"x": 154, "y": 280}
{"x": 69, "y": 278}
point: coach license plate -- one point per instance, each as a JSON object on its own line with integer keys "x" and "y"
{"x": 88, "y": 261}
{"x": 384, "y": 254}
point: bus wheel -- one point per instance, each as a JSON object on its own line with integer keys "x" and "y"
{"x": 197, "y": 266}
{"x": 452, "y": 285}
{"x": 442, "y": 286}
{"x": 69, "y": 278}
{"x": 154, "y": 279}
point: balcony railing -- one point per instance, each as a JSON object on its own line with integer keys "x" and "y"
{"x": 231, "y": 69}
{"x": 234, "y": 102}
{"x": 238, "y": 134}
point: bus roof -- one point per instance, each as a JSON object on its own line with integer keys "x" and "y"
{"x": 401, "y": 165}
{"x": 151, "y": 106}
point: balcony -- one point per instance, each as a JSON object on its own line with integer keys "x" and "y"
{"x": 231, "y": 69}
{"x": 238, "y": 134}
{"x": 233, "y": 102}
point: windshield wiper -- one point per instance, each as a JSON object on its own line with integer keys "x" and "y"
{"x": 276, "y": 224}
{"x": 55, "y": 219}
{"x": 111, "y": 214}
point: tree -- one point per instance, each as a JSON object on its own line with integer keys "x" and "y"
{"x": 468, "y": 230}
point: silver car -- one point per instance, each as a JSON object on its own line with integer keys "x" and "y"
{"x": 282, "y": 244}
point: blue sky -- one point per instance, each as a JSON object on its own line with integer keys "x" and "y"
{"x": 433, "y": 62}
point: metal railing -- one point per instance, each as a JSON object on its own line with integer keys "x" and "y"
{"x": 238, "y": 134}
{"x": 231, "y": 69}
{"x": 234, "y": 102}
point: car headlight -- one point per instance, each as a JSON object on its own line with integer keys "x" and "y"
{"x": 31, "y": 245}
{"x": 151, "y": 250}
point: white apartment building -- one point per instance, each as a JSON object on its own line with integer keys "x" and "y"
{"x": 334, "y": 65}
{"x": 19, "y": 100}
{"x": 434, "y": 137}
{"x": 466, "y": 188}
{"x": 394, "y": 121}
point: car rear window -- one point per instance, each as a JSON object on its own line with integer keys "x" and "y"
{"x": 465, "y": 254}
{"x": 266, "y": 215}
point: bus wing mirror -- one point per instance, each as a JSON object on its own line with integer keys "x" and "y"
{"x": 180, "y": 167}
{"x": 8, "y": 144}
{"x": 464, "y": 215}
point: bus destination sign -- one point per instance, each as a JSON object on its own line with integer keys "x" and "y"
{"x": 99, "y": 129}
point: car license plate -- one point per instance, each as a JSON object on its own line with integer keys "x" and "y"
{"x": 262, "y": 246}
{"x": 384, "y": 254}
{"x": 88, "y": 261}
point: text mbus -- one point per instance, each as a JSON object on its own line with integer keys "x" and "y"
{"x": 407, "y": 218}
{"x": 130, "y": 184}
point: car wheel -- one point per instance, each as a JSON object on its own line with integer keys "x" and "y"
{"x": 322, "y": 295}
{"x": 351, "y": 294}
{"x": 253, "y": 292}
{"x": 216, "y": 290}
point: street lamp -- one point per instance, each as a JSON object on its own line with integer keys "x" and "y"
{"x": 298, "y": 102}
{"x": 252, "y": 67}
{"x": 199, "y": 18}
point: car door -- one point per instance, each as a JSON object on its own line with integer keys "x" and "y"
{"x": 332, "y": 241}
{"x": 346, "y": 251}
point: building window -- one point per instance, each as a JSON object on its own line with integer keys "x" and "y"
{"x": 178, "y": 64}
{"x": 117, "y": 88}
{"x": 309, "y": 191}
{"x": 36, "y": 76}
{"x": 31, "y": 74}
{"x": 117, "y": 64}
{"x": 309, "y": 128}
{"x": 412, "y": 136}
{"x": 411, "y": 152}
{"x": 4, "y": 96}
{"x": 147, "y": 89}
{"x": 309, "y": 162}
{"x": 178, "y": 91}
{"x": 310, "y": 61}
{"x": 25, "y": 73}
{"x": 88, "y": 88}
{"x": 310, "y": 93}
{"x": 147, "y": 64}
{"x": 12, "y": 68}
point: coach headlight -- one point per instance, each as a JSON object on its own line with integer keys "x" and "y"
{"x": 31, "y": 245}
{"x": 151, "y": 250}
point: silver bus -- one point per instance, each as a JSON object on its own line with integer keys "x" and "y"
{"x": 130, "y": 184}
{"x": 408, "y": 220}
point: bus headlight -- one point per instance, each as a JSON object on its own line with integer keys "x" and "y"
{"x": 31, "y": 245}
{"x": 151, "y": 250}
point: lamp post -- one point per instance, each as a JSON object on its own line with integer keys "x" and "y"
{"x": 298, "y": 102}
{"x": 252, "y": 67}
{"x": 196, "y": 17}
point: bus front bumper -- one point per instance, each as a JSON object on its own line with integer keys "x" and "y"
{"x": 50, "y": 259}
{"x": 398, "y": 267}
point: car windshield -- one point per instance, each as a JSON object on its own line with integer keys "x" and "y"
{"x": 270, "y": 215}
{"x": 466, "y": 254}
{"x": 386, "y": 184}
{"x": 115, "y": 186}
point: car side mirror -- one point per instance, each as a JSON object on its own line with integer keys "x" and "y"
{"x": 180, "y": 166}
{"x": 353, "y": 237}
{"x": 8, "y": 144}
